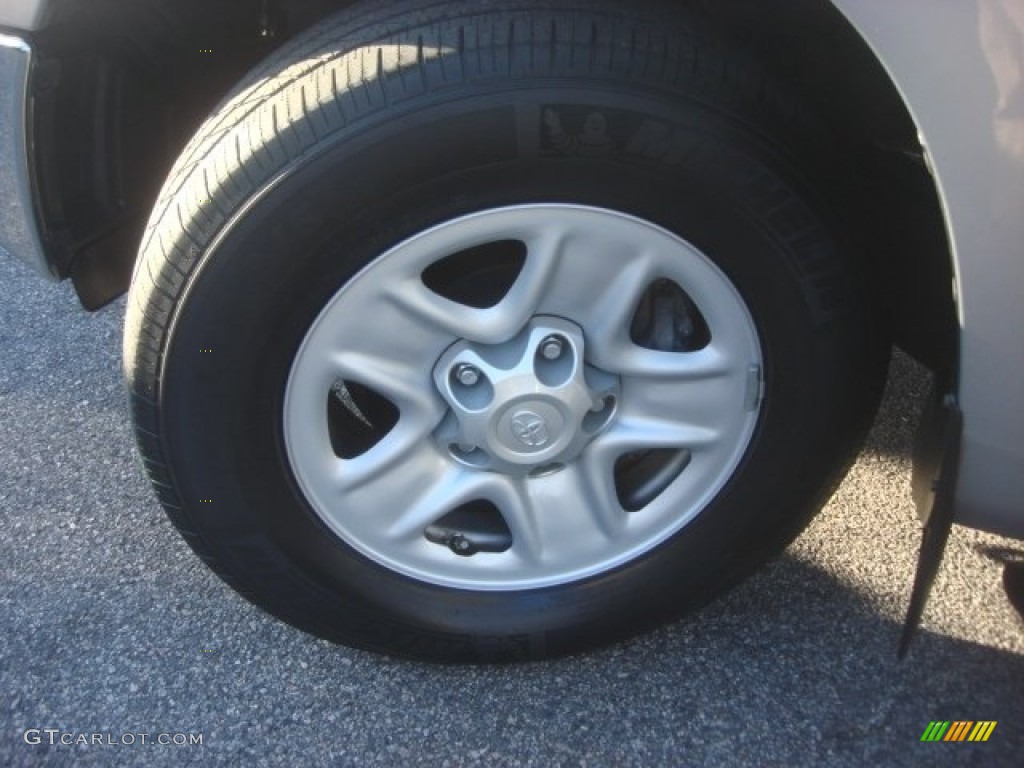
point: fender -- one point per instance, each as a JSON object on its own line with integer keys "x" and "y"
{"x": 959, "y": 68}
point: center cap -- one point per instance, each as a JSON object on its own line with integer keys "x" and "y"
{"x": 526, "y": 404}
{"x": 530, "y": 427}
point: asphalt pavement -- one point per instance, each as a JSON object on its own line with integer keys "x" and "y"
{"x": 110, "y": 628}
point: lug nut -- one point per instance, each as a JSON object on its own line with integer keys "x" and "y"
{"x": 551, "y": 348}
{"x": 467, "y": 375}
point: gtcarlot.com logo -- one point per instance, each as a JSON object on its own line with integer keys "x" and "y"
{"x": 958, "y": 730}
{"x": 57, "y": 737}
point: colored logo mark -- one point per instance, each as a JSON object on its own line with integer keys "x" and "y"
{"x": 959, "y": 730}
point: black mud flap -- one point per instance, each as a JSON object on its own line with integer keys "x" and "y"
{"x": 102, "y": 269}
{"x": 936, "y": 465}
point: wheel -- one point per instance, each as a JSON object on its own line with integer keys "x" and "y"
{"x": 474, "y": 333}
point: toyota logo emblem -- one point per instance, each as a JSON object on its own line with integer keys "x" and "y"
{"x": 530, "y": 429}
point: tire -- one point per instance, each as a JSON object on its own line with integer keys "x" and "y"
{"x": 470, "y": 332}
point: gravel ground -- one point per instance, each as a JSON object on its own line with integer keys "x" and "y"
{"x": 109, "y": 624}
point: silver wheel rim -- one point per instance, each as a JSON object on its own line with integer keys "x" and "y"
{"x": 584, "y": 272}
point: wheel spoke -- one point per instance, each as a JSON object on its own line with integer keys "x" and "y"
{"x": 630, "y": 360}
{"x": 637, "y": 434}
{"x": 696, "y": 392}
{"x": 382, "y": 321}
{"x": 448, "y": 489}
{"x": 407, "y": 386}
{"x": 491, "y": 325}
{"x": 558, "y": 518}
{"x": 508, "y": 316}
{"x": 394, "y": 471}
{"x": 592, "y": 479}
{"x": 600, "y": 291}
{"x": 512, "y": 498}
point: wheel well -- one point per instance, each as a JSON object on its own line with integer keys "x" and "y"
{"x": 119, "y": 88}
{"x": 121, "y": 85}
{"x": 898, "y": 218}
